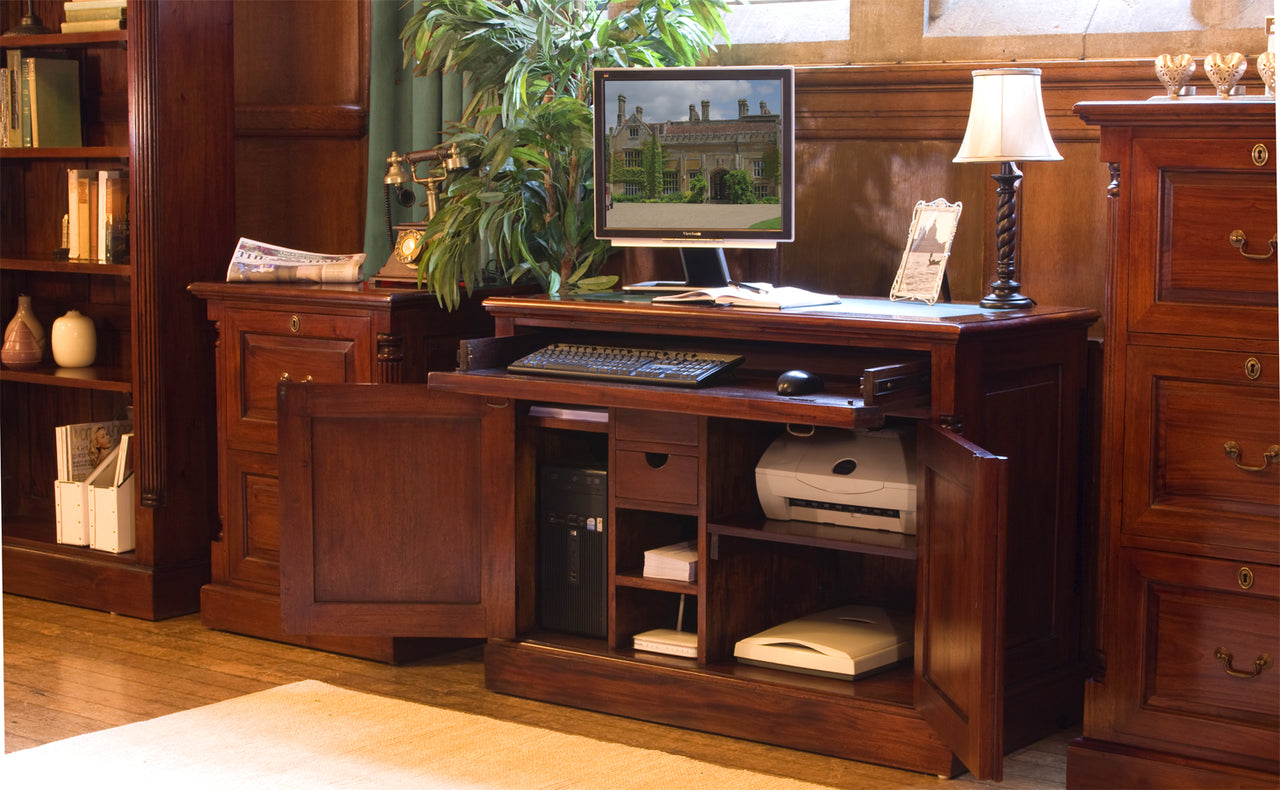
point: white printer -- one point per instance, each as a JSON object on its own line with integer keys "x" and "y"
{"x": 862, "y": 479}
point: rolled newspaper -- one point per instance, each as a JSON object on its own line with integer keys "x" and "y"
{"x": 256, "y": 261}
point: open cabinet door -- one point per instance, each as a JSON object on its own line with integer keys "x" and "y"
{"x": 396, "y": 512}
{"x": 959, "y": 657}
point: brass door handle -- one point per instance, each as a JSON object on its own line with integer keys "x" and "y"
{"x": 1224, "y": 656}
{"x": 1238, "y": 240}
{"x": 1233, "y": 452}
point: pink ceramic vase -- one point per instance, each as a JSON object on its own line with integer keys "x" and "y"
{"x": 23, "y": 338}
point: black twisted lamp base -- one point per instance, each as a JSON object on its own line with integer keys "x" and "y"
{"x": 1005, "y": 291}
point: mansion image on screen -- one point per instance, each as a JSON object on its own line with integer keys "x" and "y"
{"x": 707, "y": 158}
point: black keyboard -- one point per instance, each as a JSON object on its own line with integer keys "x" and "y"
{"x": 633, "y": 365}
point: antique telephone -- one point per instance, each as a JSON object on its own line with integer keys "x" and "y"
{"x": 406, "y": 239}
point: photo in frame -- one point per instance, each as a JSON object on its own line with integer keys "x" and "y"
{"x": 924, "y": 261}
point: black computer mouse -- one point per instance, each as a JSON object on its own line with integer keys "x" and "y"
{"x": 799, "y": 382}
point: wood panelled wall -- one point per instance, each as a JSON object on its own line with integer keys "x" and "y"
{"x": 872, "y": 141}
{"x": 302, "y": 119}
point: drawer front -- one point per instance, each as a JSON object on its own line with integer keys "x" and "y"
{"x": 656, "y": 427}
{"x": 251, "y": 532}
{"x": 271, "y": 347}
{"x": 1198, "y": 431}
{"x": 1191, "y": 199}
{"x": 1199, "y": 656}
{"x": 659, "y": 478}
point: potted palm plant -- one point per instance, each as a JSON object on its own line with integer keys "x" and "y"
{"x": 526, "y": 131}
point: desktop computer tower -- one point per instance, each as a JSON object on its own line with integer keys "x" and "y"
{"x": 573, "y": 550}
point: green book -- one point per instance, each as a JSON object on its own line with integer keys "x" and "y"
{"x": 51, "y": 102}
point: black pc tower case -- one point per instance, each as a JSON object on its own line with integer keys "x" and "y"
{"x": 573, "y": 549}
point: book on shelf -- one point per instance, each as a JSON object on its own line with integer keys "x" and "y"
{"x": 93, "y": 25}
{"x": 5, "y": 105}
{"x": 13, "y": 122}
{"x": 82, "y": 446}
{"x": 679, "y": 561}
{"x": 82, "y": 199}
{"x": 760, "y": 296}
{"x": 88, "y": 10}
{"x": 112, "y": 234}
{"x": 51, "y": 102}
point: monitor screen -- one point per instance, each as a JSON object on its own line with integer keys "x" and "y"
{"x": 695, "y": 157}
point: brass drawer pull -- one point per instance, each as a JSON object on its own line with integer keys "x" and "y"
{"x": 1260, "y": 663}
{"x": 1238, "y": 240}
{"x": 1233, "y": 452}
{"x": 286, "y": 377}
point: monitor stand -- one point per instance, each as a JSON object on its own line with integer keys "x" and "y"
{"x": 704, "y": 267}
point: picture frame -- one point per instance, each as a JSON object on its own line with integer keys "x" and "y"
{"x": 924, "y": 261}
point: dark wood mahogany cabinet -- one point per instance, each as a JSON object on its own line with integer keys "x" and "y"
{"x": 1187, "y": 689}
{"x": 154, "y": 101}
{"x": 268, "y": 333}
{"x": 412, "y": 509}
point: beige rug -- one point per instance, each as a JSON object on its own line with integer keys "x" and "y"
{"x": 314, "y": 735}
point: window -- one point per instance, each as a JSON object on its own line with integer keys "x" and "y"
{"x": 788, "y": 21}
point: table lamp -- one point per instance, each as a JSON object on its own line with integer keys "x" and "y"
{"x": 1006, "y": 125}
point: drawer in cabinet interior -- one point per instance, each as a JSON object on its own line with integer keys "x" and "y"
{"x": 1206, "y": 239}
{"x": 324, "y": 349}
{"x": 1202, "y": 447}
{"x": 1207, "y": 642}
{"x": 655, "y": 477}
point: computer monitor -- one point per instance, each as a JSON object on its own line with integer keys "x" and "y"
{"x": 699, "y": 158}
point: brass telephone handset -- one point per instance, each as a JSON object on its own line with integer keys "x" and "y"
{"x": 406, "y": 239}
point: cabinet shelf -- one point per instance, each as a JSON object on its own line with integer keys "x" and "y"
{"x": 120, "y": 152}
{"x": 826, "y": 536}
{"x": 91, "y": 378}
{"x": 47, "y": 263}
{"x": 640, "y": 581}
{"x": 99, "y": 38}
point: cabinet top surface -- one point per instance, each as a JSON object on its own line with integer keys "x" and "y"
{"x": 852, "y": 317}
{"x": 1190, "y": 111}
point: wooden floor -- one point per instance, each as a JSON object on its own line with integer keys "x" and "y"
{"x": 69, "y": 671}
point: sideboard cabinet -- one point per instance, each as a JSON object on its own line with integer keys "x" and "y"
{"x": 155, "y": 101}
{"x": 1187, "y": 689}
{"x": 413, "y": 509}
{"x": 270, "y": 333}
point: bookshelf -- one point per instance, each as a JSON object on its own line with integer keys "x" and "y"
{"x": 156, "y": 100}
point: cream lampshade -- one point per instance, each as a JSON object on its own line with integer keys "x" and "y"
{"x": 1007, "y": 125}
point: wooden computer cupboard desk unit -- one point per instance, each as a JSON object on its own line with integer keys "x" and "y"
{"x": 413, "y": 510}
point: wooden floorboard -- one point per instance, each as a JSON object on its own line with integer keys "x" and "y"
{"x": 69, "y": 671}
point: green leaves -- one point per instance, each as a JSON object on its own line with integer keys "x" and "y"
{"x": 527, "y": 127}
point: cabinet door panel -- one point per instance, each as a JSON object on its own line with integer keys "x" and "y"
{"x": 960, "y": 610}
{"x": 251, "y": 533}
{"x": 387, "y": 525}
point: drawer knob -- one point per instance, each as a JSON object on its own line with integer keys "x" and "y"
{"x": 1233, "y": 452}
{"x": 1239, "y": 240}
{"x": 1260, "y": 663}
{"x": 286, "y": 377}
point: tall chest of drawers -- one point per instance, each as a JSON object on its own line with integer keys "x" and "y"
{"x": 1186, "y": 692}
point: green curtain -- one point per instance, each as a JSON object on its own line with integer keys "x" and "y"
{"x": 406, "y": 113}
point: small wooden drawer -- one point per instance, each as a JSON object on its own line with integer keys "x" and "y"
{"x": 1205, "y": 642}
{"x": 661, "y": 478}
{"x": 1202, "y": 434}
{"x": 270, "y": 347}
{"x": 630, "y": 425}
{"x": 1206, "y": 262}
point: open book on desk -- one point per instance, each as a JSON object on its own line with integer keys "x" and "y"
{"x": 758, "y": 295}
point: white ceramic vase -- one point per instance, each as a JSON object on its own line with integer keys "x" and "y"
{"x": 74, "y": 340}
{"x": 23, "y": 338}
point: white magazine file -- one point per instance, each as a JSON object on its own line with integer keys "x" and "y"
{"x": 109, "y": 494}
{"x": 71, "y": 507}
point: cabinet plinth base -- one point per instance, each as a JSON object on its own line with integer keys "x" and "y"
{"x": 1102, "y": 764}
{"x": 257, "y": 614}
{"x": 107, "y": 584}
{"x": 887, "y": 733}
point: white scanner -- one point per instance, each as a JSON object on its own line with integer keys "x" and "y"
{"x": 862, "y": 479}
{"x": 845, "y": 642}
